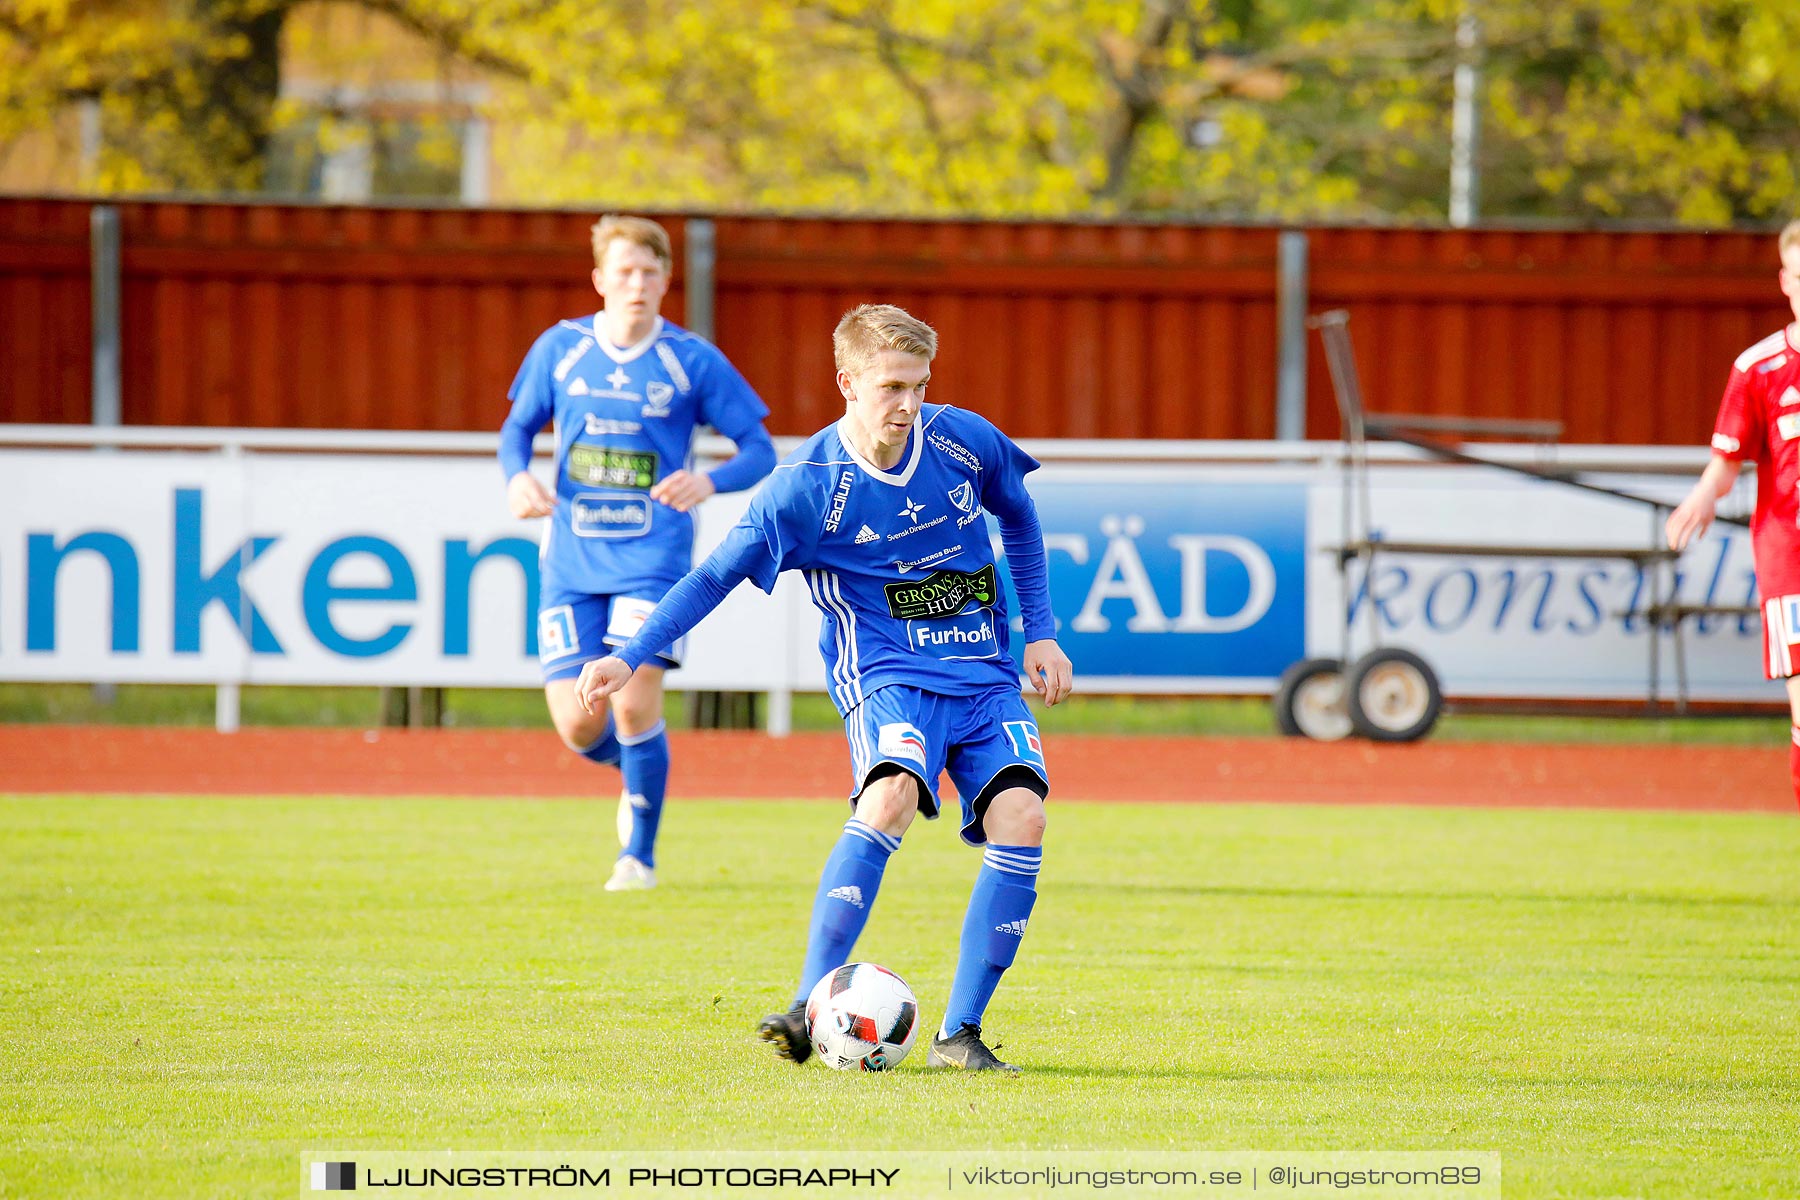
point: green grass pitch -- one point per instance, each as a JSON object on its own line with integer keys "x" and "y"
{"x": 196, "y": 990}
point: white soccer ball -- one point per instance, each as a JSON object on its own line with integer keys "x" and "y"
{"x": 862, "y": 1017}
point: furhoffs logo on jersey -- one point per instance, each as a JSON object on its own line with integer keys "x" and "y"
{"x": 941, "y": 594}
{"x": 839, "y": 498}
{"x": 609, "y": 515}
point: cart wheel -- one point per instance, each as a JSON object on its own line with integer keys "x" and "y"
{"x": 1393, "y": 696}
{"x": 1309, "y": 702}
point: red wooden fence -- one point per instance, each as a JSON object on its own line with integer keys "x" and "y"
{"x": 271, "y": 315}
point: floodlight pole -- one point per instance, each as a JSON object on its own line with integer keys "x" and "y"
{"x": 1465, "y": 121}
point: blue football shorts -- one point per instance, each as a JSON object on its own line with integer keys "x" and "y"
{"x": 575, "y": 628}
{"x": 975, "y": 738}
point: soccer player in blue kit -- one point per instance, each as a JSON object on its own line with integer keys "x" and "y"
{"x": 626, "y": 390}
{"x": 883, "y": 511}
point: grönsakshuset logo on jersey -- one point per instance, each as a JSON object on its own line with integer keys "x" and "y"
{"x": 941, "y": 594}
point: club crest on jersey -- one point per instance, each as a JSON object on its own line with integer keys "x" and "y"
{"x": 656, "y": 398}
{"x": 901, "y": 740}
{"x": 963, "y": 496}
{"x": 941, "y": 594}
{"x": 1024, "y": 738}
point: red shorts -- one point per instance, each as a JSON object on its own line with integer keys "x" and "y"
{"x": 1781, "y": 635}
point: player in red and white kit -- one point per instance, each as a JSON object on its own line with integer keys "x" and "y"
{"x": 1759, "y": 421}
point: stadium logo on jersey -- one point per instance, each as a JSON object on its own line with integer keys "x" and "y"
{"x": 556, "y": 633}
{"x": 911, "y": 511}
{"x": 1791, "y": 396}
{"x": 901, "y": 740}
{"x": 865, "y": 535}
{"x": 609, "y": 515}
{"x": 569, "y": 360}
{"x": 1024, "y": 738}
{"x": 839, "y": 499}
{"x": 595, "y": 426}
{"x": 963, "y": 496}
{"x": 656, "y": 398}
{"x": 672, "y": 365}
{"x": 968, "y": 636}
{"x": 956, "y": 450}
{"x": 941, "y": 594}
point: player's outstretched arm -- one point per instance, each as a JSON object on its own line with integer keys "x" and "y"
{"x": 1049, "y": 670}
{"x": 1692, "y": 516}
{"x": 600, "y": 679}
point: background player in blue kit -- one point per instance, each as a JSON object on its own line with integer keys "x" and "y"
{"x": 884, "y": 512}
{"x": 626, "y": 390}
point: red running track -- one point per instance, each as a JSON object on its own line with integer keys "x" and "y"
{"x": 530, "y": 763}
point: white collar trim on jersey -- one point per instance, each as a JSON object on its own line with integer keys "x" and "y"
{"x": 898, "y": 478}
{"x": 630, "y": 353}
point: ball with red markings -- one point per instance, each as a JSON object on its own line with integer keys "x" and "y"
{"x": 862, "y": 1017}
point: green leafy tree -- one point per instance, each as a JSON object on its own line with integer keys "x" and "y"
{"x": 1290, "y": 109}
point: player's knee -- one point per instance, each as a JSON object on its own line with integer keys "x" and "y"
{"x": 1016, "y": 817}
{"x": 889, "y": 803}
{"x": 637, "y": 713}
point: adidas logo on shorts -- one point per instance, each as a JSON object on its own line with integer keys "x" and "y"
{"x": 849, "y": 894}
{"x": 1016, "y": 928}
{"x": 866, "y": 535}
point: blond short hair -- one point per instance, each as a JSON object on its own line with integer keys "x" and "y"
{"x": 1790, "y": 237}
{"x": 868, "y": 329}
{"x": 638, "y": 231}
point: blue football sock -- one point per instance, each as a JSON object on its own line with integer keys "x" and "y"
{"x": 605, "y": 749}
{"x": 999, "y": 908}
{"x": 644, "y": 760}
{"x": 847, "y": 890}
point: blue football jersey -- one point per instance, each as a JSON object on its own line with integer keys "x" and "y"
{"x": 900, "y": 563}
{"x": 624, "y": 419}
